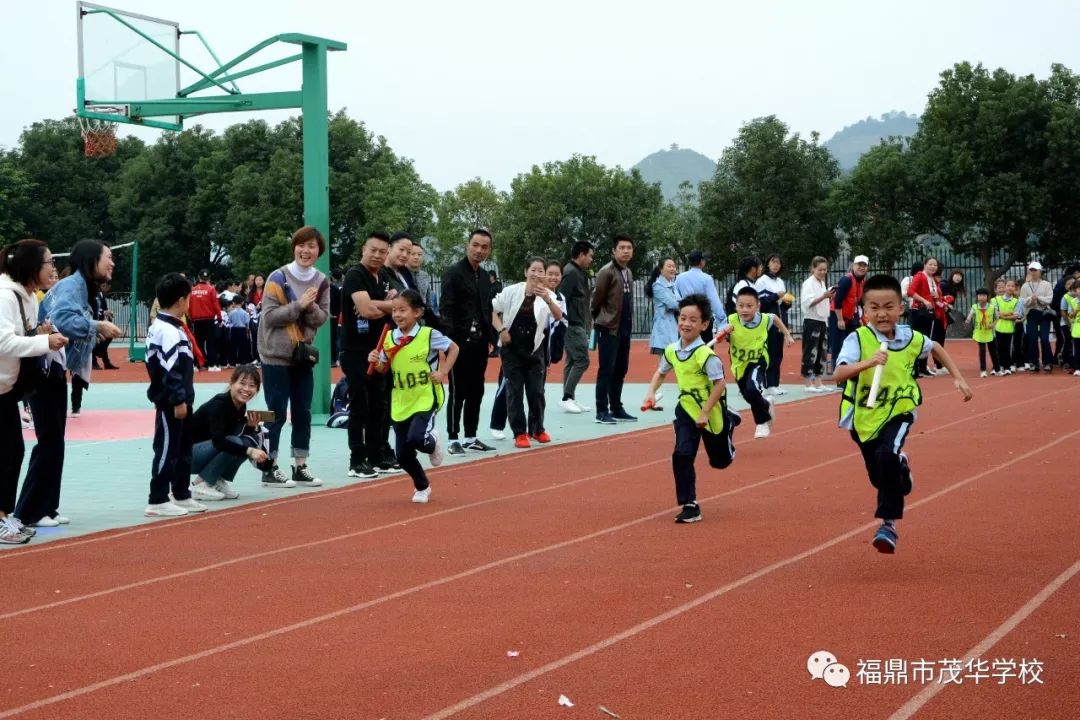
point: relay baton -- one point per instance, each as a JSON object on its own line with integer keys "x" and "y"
{"x": 379, "y": 347}
{"x": 646, "y": 406}
{"x": 875, "y": 384}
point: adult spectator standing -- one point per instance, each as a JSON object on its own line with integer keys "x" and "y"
{"x": 662, "y": 290}
{"x": 296, "y": 304}
{"x": 465, "y": 308}
{"x": 749, "y": 272}
{"x": 204, "y": 312}
{"x": 25, "y": 267}
{"x": 771, "y": 291}
{"x": 814, "y": 300}
{"x": 1037, "y": 295}
{"x": 613, "y": 315}
{"x": 845, "y": 306}
{"x": 1063, "y": 349}
{"x": 909, "y": 303}
{"x": 397, "y": 262}
{"x": 575, "y": 289}
{"x": 423, "y": 277}
{"x": 928, "y": 315}
{"x": 102, "y": 312}
{"x": 695, "y": 281}
{"x": 366, "y": 296}
{"x": 67, "y": 307}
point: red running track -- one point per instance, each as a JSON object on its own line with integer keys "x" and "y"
{"x": 357, "y": 604}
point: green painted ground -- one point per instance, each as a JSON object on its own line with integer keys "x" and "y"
{"x": 106, "y": 482}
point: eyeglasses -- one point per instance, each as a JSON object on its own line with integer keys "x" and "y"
{"x": 49, "y": 262}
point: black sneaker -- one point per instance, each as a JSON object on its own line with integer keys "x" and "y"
{"x": 690, "y": 513}
{"x": 302, "y": 476}
{"x": 456, "y": 448}
{"x": 478, "y": 446}
{"x": 363, "y": 470}
{"x": 276, "y": 478}
{"x": 623, "y": 416}
{"x": 388, "y": 466}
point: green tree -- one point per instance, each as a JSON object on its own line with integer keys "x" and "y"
{"x": 577, "y": 199}
{"x": 14, "y": 199}
{"x": 1061, "y": 241}
{"x": 876, "y": 203}
{"x": 473, "y": 204}
{"x": 677, "y": 226}
{"x": 979, "y": 158}
{"x": 770, "y": 194}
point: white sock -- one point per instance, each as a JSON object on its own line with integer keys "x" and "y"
{"x": 469, "y": 440}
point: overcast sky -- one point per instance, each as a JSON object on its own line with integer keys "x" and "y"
{"x": 489, "y": 88}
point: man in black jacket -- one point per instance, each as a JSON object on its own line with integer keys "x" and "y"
{"x": 575, "y": 288}
{"x": 465, "y": 309}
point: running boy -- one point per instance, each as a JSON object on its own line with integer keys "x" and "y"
{"x": 419, "y": 368}
{"x": 1070, "y": 309}
{"x": 1005, "y": 309}
{"x": 171, "y": 366}
{"x": 747, "y": 333}
{"x": 702, "y": 413}
{"x": 984, "y": 315}
{"x": 880, "y": 431}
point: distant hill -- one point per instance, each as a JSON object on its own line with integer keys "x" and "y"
{"x": 673, "y": 166}
{"x": 848, "y": 145}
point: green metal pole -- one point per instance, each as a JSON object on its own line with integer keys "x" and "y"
{"x": 317, "y": 193}
{"x": 136, "y": 353}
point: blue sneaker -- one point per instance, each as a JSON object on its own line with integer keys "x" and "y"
{"x": 605, "y": 418}
{"x": 623, "y": 416}
{"x": 885, "y": 539}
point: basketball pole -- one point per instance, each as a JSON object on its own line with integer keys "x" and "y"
{"x": 136, "y": 351}
{"x": 314, "y": 110}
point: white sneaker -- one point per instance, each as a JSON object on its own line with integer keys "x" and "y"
{"x": 497, "y": 434}
{"x": 779, "y": 391}
{"x": 201, "y": 491}
{"x": 63, "y": 520}
{"x": 569, "y": 406}
{"x": 768, "y": 392}
{"x": 439, "y": 453}
{"x": 762, "y": 431}
{"x": 190, "y": 505}
{"x": 215, "y": 368}
{"x": 46, "y": 522}
{"x": 583, "y": 406}
{"x": 165, "y": 509}
{"x": 813, "y": 389}
{"x": 225, "y": 488}
{"x": 1076, "y": 374}
{"x": 982, "y": 374}
{"x": 422, "y": 496}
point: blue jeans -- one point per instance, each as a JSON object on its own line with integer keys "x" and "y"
{"x": 212, "y": 464}
{"x": 1038, "y": 336}
{"x": 287, "y": 386}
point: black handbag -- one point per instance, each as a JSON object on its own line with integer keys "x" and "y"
{"x": 33, "y": 371}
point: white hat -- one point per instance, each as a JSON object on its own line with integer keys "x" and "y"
{"x": 1035, "y": 265}
{"x": 860, "y": 259}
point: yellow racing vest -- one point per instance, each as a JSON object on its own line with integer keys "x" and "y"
{"x": 695, "y": 385}
{"x": 982, "y": 323}
{"x": 413, "y": 392}
{"x": 1005, "y": 306}
{"x": 899, "y": 393}
{"x": 748, "y": 346}
{"x": 1074, "y": 305}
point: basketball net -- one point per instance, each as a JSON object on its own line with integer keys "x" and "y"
{"x": 99, "y": 136}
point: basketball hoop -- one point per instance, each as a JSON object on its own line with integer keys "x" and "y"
{"x": 99, "y": 136}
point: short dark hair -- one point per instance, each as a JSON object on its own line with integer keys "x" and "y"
{"x": 552, "y": 262}
{"x": 204, "y": 274}
{"x": 378, "y": 235}
{"x": 246, "y": 371}
{"x": 982, "y": 291}
{"x": 747, "y": 264}
{"x": 309, "y": 232}
{"x": 400, "y": 235}
{"x": 700, "y": 302}
{"x": 171, "y": 289}
{"x": 747, "y": 291}
{"x": 882, "y": 282}
{"x": 83, "y": 259}
{"x": 579, "y": 248}
{"x": 534, "y": 259}
{"x": 482, "y": 231}
{"x": 621, "y": 238}
{"x": 413, "y": 299}
{"x": 23, "y": 260}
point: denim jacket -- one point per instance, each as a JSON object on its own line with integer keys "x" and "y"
{"x": 67, "y": 306}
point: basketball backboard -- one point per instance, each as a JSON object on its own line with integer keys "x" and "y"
{"x": 125, "y": 58}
